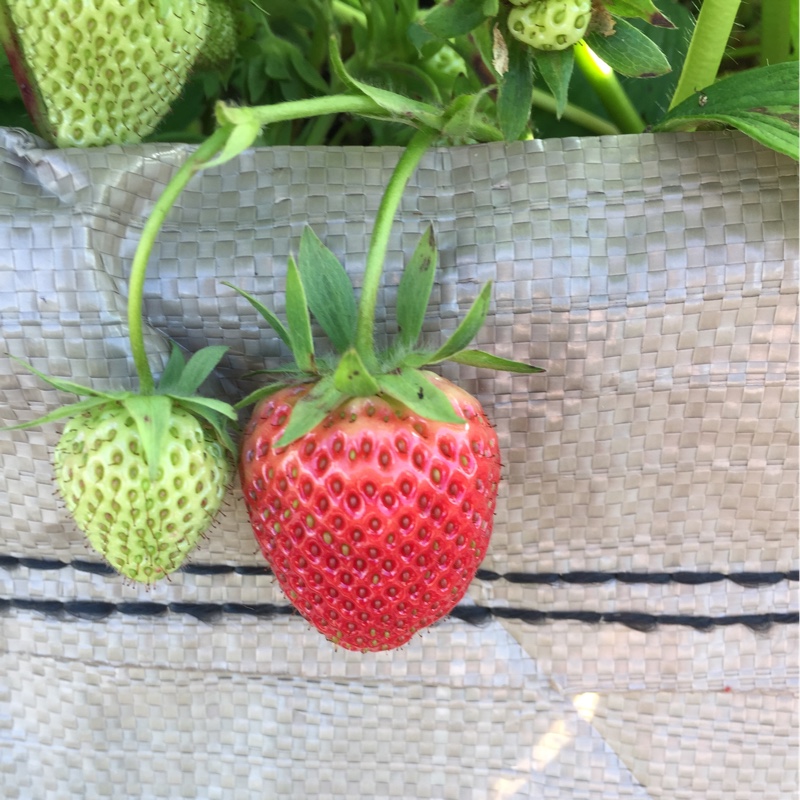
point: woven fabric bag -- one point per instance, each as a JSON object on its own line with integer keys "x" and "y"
{"x": 632, "y": 632}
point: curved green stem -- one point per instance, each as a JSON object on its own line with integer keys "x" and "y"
{"x": 149, "y": 233}
{"x": 604, "y": 81}
{"x": 706, "y": 49}
{"x": 365, "y": 327}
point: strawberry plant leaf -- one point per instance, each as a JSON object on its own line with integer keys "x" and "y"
{"x": 414, "y": 290}
{"x": 641, "y": 9}
{"x": 172, "y": 372}
{"x": 328, "y": 289}
{"x": 260, "y": 394}
{"x": 323, "y": 398}
{"x": 461, "y": 114}
{"x": 199, "y": 367}
{"x": 515, "y": 93}
{"x": 455, "y": 18}
{"x": 151, "y": 415}
{"x": 761, "y": 102}
{"x": 352, "y": 377}
{"x": 268, "y": 315}
{"x": 629, "y": 51}
{"x": 468, "y": 328}
{"x": 241, "y": 137}
{"x": 411, "y": 388}
{"x": 484, "y": 360}
{"x": 555, "y": 67}
{"x": 298, "y": 319}
{"x": 71, "y": 410}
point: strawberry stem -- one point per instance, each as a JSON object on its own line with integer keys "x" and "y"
{"x": 194, "y": 163}
{"x": 365, "y": 326}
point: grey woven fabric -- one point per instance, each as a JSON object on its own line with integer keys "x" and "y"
{"x": 641, "y": 640}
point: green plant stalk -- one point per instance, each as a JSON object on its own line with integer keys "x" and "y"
{"x": 376, "y": 255}
{"x": 776, "y": 34}
{"x": 348, "y": 15}
{"x": 608, "y": 88}
{"x": 353, "y": 104}
{"x": 706, "y": 49}
{"x": 576, "y": 114}
{"x": 162, "y": 207}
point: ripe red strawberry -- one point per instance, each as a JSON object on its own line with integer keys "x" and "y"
{"x": 371, "y": 482}
{"x": 375, "y": 521}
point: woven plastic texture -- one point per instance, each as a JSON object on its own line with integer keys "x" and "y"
{"x": 633, "y": 630}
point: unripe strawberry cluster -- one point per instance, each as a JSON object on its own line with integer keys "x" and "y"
{"x": 550, "y": 24}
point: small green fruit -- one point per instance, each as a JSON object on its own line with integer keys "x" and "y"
{"x": 219, "y": 46}
{"x": 144, "y": 527}
{"x": 98, "y": 72}
{"x": 550, "y": 24}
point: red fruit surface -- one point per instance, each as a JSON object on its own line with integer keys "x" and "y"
{"x": 375, "y": 522}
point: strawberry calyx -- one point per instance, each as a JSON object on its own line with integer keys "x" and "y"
{"x": 317, "y": 284}
{"x": 151, "y": 411}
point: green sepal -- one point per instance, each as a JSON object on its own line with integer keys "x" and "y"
{"x": 555, "y": 67}
{"x": 71, "y": 410}
{"x": 328, "y": 290}
{"x": 59, "y": 383}
{"x": 629, "y": 51}
{"x": 515, "y": 90}
{"x": 479, "y": 358}
{"x": 310, "y": 410}
{"x": 413, "y": 389}
{"x": 260, "y": 394}
{"x": 151, "y": 415}
{"x": 298, "y": 319}
{"x": 352, "y": 376}
{"x": 172, "y": 371}
{"x": 414, "y": 290}
{"x": 214, "y": 412}
{"x": 463, "y": 334}
{"x": 268, "y": 315}
{"x": 191, "y": 375}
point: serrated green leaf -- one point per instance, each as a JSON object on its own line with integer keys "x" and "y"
{"x": 411, "y": 388}
{"x": 461, "y": 115}
{"x": 484, "y": 360}
{"x": 760, "y": 102}
{"x": 452, "y": 18}
{"x": 172, "y": 372}
{"x": 312, "y": 409}
{"x": 59, "y": 383}
{"x": 641, "y": 9}
{"x": 298, "y": 319}
{"x": 555, "y": 67}
{"x": 515, "y": 93}
{"x": 72, "y": 410}
{"x": 352, "y": 377}
{"x": 151, "y": 414}
{"x": 268, "y": 315}
{"x": 468, "y": 328}
{"x": 402, "y": 108}
{"x": 259, "y": 394}
{"x": 629, "y": 51}
{"x": 414, "y": 290}
{"x": 199, "y": 367}
{"x": 328, "y": 290}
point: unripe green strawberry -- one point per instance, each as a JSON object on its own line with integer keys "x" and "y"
{"x": 550, "y": 24}
{"x": 144, "y": 527}
{"x": 97, "y": 72}
{"x": 144, "y": 474}
{"x": 219, "y": 46}
{"x": 376, "y": 520}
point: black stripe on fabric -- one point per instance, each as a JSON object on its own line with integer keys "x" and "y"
{"x": 745, "y": 579}
{"x": 476, "y": 615}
